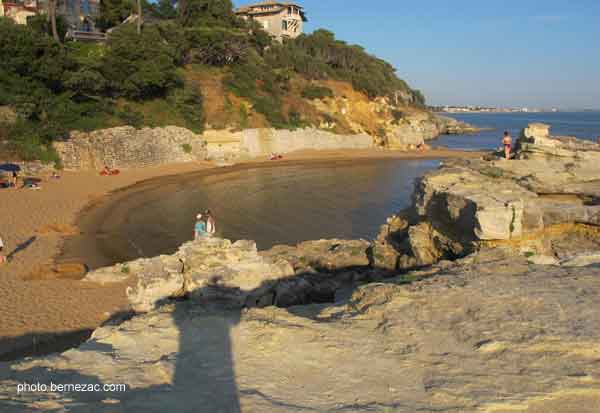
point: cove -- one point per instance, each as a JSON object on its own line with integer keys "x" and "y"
{"x": 279, "y": 204}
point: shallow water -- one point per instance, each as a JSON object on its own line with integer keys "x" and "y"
{"x": 275, "y": 205}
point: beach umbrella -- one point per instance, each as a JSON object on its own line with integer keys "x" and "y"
{"x": 10, "y": 167}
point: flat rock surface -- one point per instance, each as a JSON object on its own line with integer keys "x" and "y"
{"x": 488, "y": 334}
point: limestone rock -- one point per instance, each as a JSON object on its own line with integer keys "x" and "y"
{"x": 218, "y": 270}
{"x": 582, "y": 260}
{"x": 327, "y": 255}
{"x": 438, "y": 344}
{"x": 126, "y": 147}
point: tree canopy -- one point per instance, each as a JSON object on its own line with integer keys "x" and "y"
{"x": 84, "y": 86}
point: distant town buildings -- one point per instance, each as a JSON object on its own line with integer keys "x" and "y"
{"x": 279, "y": 19}
{"x": 487, "y": 109}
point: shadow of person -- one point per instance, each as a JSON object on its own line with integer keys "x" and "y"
{"x": 21, "y": 247}
{"x": 204, "y": 370}
{"x": 178, "y": 358}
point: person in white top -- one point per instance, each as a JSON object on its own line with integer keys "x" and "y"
{"x": 2, "y": 257}
{"x": 211, "y": 228}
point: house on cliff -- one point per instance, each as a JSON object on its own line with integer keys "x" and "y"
{"x": 79, "y": 15}
{"x": 19, "y": 11}
{"x": 279, "y": 19}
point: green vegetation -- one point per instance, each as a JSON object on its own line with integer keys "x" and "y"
{"x": 151, "y": 78}
{"x": 187, "y": 148}
{"x": 316, "y": 92}
{"x": 397, "y": 115}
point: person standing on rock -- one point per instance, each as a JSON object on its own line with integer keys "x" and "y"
{"x": 200, "y": 227}
{"x": 211, "y": 228}
{"x": 507, "y": 143}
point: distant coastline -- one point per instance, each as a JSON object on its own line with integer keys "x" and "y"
{"x": 478, "y": 109}
{"x": 481, "y": 109}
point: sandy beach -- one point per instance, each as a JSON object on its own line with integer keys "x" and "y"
{"x": 34, "y": 312}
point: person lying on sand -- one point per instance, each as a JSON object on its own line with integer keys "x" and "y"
{"x": 108, "y": 171}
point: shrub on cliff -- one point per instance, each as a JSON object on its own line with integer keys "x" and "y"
{"x": 206, "y": 13}
{"x": 216, "y": 46}
{"x": 140, "y": 66}
{"x": 316, "y": 92}
{"x": 321, "y": 56}
{"x": 188, "y": 102}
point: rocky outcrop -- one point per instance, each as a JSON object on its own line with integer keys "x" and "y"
{"x": 451, "y": 126}
{"x": 218, "y": 270}
{"x": 548, "y": 191}
{"x": 127, "y": 147}
{"x": 414, "y": 130}
{"x": 488, "y": 333}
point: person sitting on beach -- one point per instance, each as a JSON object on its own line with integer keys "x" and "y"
{"x": 2, "y": 257}
{"x": 14, "y": 179}
{"x": 507, "y": 143}
{"x": 200, "y": 228}
{"x": 211, "y": 228}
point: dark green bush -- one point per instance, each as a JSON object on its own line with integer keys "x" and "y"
{"x": 321, "y": 56}
{"x": 216, "y": 46}
{"x": 140, "y": 66}
{"x": 189, "y": 103}
{"x": 187, "y": 148}
{"x": 316, "y": 92}
{"x": 131, "y": 116}
{"x": 397, "y": 115}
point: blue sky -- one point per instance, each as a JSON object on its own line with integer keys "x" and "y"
{"x": 487, "y": 52}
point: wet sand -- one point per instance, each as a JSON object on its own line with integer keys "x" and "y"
{"x": 34, "y": 224}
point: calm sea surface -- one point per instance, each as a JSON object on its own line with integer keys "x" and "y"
{"x": 281, "y": 204}
{"x": 583, "y": 125}
{"x": 275, "y": 205}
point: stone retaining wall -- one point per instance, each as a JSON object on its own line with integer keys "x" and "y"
{"x": 259, "y": 142}
{"x": 127, "y": 147}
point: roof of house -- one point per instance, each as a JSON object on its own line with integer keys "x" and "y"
{"x": 280, "y": 4}
{"x": 253, "y": 9}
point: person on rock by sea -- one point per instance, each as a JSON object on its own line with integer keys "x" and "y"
{"x": 507, "y": 143}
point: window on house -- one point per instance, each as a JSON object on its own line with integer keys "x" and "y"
{"x": 284, "y": 25}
